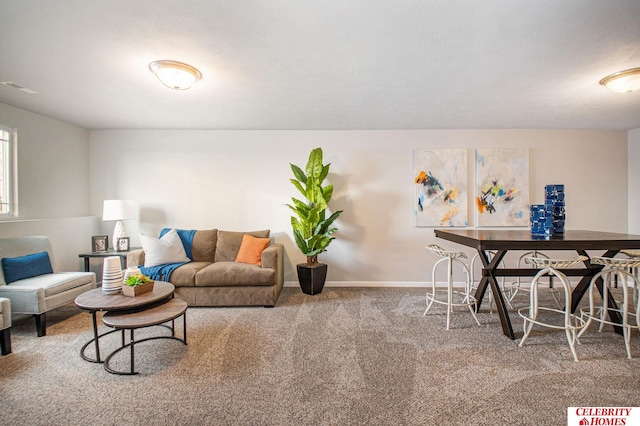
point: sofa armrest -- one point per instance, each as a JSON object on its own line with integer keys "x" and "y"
{"x": 273, "y": 257}
{"x": 135, "y": 258}
{"x": 270, "y": 255}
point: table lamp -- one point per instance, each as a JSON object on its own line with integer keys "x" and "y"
{"x": 118, "y": 210}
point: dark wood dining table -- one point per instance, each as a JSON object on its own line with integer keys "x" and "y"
{"x": 501, "y": 241}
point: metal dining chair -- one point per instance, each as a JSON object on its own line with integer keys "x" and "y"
{"x": 635, "y": 271}
{"x": 453, "y": 298}
{"x": 513, "y": 288}
{"x": 615, "y": 269}
{"x": 571, "y": 323}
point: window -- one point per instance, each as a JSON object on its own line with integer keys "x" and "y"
{"x": 7, "y": 172}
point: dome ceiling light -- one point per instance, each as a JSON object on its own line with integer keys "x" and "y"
{"x": 623, "y": 81}
{"x": 175, "y": 75}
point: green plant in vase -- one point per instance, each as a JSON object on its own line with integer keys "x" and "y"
{"x": 312, "y": 229}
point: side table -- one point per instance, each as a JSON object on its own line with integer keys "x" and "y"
{"x": 101, "y": 255}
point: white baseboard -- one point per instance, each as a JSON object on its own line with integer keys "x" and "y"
{"x": 374, "y": 284}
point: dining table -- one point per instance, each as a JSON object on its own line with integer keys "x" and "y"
{"x": 493, "y": 245}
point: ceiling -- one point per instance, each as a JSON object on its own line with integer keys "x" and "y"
{"x": 324, "y": 64}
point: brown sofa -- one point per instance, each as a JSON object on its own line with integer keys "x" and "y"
{"x": 213, "y": 278}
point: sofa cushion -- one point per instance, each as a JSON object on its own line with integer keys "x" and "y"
{"x": 229, "y": 242}
{"x": 185, "y": 275}
{"x": 229, "y": 273}
{"x": 251, "y": 249}
{"x": 21, "y": 267}
{"x": 158, "y": 251}
{"x": 56, "y": 283}
{"x": 204, "y": 245}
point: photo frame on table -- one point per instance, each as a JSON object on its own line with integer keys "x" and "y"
{"x": 122, "y": 244}
{"x": 100, "y": 243}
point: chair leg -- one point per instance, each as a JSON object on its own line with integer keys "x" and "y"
{"x": 5, "y": 341}
{"x": 41, "y": 324}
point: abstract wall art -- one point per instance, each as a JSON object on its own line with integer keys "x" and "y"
{"x": 502, "y": 187}
{"x": 440, "y": 185}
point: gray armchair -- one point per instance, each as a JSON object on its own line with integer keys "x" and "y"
{"x": 36, "y": 295}
{"x": 5, "y": 326}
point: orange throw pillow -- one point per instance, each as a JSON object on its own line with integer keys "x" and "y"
{"x": 251, "y": 249}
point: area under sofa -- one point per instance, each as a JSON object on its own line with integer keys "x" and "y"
{"x": 214, "y": 278}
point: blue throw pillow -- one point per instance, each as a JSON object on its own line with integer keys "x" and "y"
{"x": 31, "y": 265}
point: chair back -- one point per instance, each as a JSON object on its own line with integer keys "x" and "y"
{"x": 22, "y": 246}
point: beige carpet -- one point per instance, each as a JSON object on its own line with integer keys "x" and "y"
{"x": 359, "y": 356}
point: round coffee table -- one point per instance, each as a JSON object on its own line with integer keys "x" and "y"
{"x": 157, "y": 315}
{"x": 95, "y": 300}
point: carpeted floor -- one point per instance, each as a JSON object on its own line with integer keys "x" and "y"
{"x": 349, "y": 356}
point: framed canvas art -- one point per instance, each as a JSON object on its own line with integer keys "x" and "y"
{"x": 440, "y": 187}
{"x": 502, "y": 187}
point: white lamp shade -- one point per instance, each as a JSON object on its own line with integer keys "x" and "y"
{"x": 118, "y": 210}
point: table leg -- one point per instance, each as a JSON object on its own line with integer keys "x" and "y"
{"x": 489, "y": 278}
{"x": 132, "y": 352}
{"x": 95, "y": 335}
{"x": 95, "y": 340}
{"x": 184, "y": 327}
{"x": 86, "y": 264}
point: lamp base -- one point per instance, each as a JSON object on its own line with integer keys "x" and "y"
{"x": 118, "y": 232}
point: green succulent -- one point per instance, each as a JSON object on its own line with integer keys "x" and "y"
{"x": 136, "y": 280}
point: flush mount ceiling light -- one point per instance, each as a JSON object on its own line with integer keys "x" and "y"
{"x": 623, "y": 81}
{"x": 175, "y": 75}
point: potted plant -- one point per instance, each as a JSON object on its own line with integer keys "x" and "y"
{"x": 312, "y": 230}
{"x": 137, "y": 284}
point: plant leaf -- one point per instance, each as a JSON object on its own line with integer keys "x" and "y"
{"x": 314, "y": 165}
{"x": 298, "y": 173}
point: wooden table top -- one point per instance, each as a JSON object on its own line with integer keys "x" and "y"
{"x": 153, "y": 316}
{"x": 509, "y": 239}
{"x": 97, "y": 300}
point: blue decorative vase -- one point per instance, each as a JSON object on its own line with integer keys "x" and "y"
{"x": 555, "y": 207}
{"x": 539, "y": 220}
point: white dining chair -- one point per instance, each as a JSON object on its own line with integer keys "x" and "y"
{"x": 614, "y": 268}
{"x": 513, "y": 288}
{"x": 635, "y": 271}
{"x": 571, "y": 323}
{"x": 454, "y": 298}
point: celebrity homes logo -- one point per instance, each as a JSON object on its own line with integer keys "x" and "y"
{"x": 603, "y": 416}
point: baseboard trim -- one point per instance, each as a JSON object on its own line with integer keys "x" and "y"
{"x": 373, "y": 284}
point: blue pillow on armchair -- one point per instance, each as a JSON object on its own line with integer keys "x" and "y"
{"x": 31, "y": 265}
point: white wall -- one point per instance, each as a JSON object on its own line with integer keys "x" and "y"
{"x": 634, "y": 181}
{"x": 239, "y": 180}
{"x": 53, "y": 184}
{"x": 52, "y": 165}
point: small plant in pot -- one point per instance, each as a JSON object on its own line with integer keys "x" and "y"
{"x": 312, "y": 230}
{"x": 137, "y": 284}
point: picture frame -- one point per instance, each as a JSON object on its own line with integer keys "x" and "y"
{"x": 100, "y": 243}
{"x": 122, "y": 244}
{"x": 440, "y": 188}
{"x": 502, "y": 187}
